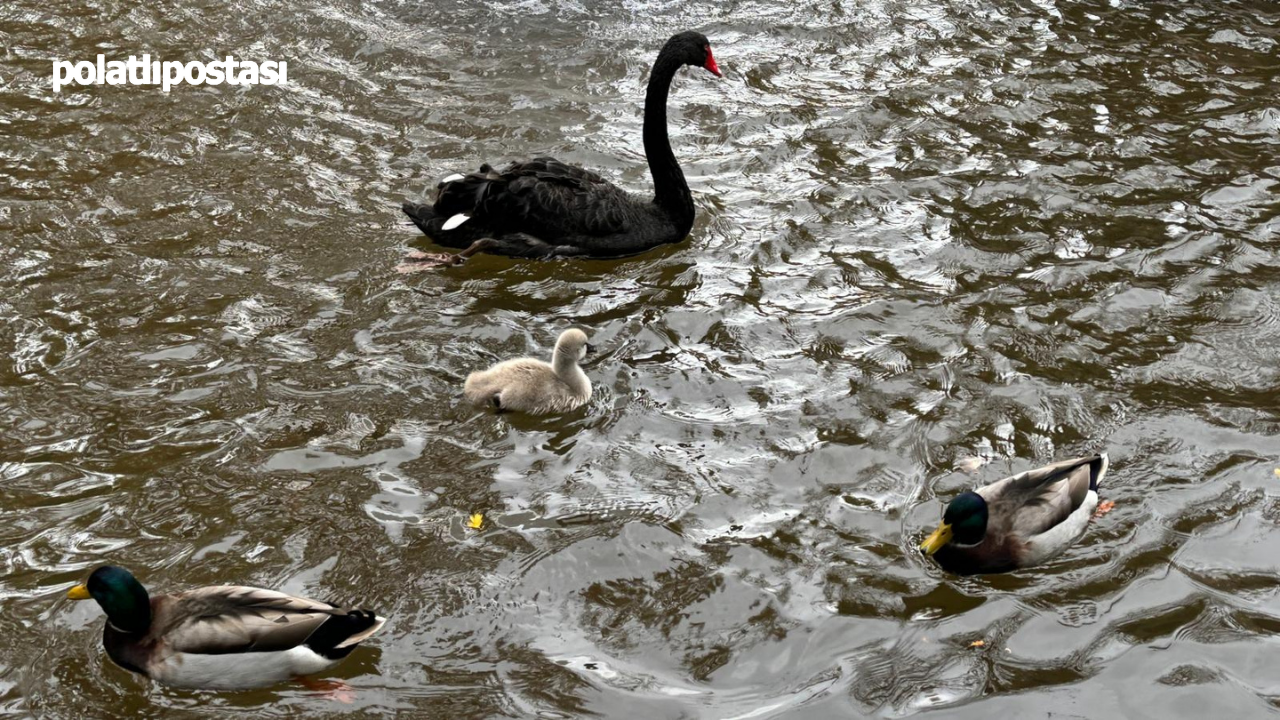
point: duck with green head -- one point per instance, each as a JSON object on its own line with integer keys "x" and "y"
{"x": 221, "y": 637}
{"x": 1020, "y": 521}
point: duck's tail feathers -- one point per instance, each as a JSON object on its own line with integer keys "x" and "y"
{"x": 340, "y": 634}
{"x": 1098, "y": 470}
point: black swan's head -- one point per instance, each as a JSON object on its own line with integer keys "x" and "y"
{"x": 691, "y": 48}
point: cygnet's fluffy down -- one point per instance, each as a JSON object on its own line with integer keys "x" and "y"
{"x": 533, "y": 386}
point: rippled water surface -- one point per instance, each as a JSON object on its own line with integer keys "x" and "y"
{"x": 929, "y": 230}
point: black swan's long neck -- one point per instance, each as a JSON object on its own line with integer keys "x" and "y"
{"x": 671, "y": 192}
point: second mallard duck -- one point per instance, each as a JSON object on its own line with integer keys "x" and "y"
{"x": 1019, "y": 521}
{"x": 223, "y": 637}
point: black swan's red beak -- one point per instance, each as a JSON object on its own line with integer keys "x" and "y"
{"x": 710, "y": 64}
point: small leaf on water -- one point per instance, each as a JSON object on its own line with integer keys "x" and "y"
{"x": 475, "y": 521}
{"x": 1277, "y": 472}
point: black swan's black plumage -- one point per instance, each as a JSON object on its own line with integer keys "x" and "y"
{"x": 546, "y": 208}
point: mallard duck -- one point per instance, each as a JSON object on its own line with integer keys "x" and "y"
{"x": 533, "y": 386}
{"x": 1019, "y": 521}
{"x": 222, "y": 637}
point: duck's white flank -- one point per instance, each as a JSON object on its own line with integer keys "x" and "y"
{"x": 238, "y": 671}
{"x": 1053, "y": 541}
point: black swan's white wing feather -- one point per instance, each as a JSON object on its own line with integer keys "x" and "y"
{"x": 542, "y": 197}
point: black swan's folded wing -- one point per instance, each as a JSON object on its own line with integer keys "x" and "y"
{"x": 542, "y": 197}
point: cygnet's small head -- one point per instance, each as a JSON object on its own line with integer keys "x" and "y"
{"x": 573, "y": 344}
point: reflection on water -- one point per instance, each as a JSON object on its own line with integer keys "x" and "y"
{"x": 929, "y": 230}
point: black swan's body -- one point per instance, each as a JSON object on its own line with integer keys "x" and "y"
{"x": 545, "y": 208}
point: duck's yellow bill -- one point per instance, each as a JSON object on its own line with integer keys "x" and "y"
{"x": 934, "y": 542}
{"x": 79, "y": 592}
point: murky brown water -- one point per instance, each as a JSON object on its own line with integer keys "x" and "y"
{"x": 928, "y": 229}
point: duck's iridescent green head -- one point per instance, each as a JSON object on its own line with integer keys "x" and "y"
{"x": 967, "y": 516}
{"x": 120, "y": 595}
{"x": 964, "y": 523}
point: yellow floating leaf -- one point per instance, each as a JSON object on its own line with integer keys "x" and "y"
{"x": 1277, "y": 472}
{"x": 475, "y": 521}
{"x": 978, "y": 643}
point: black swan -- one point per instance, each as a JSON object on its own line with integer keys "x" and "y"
{"x": 545, "y": 208}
